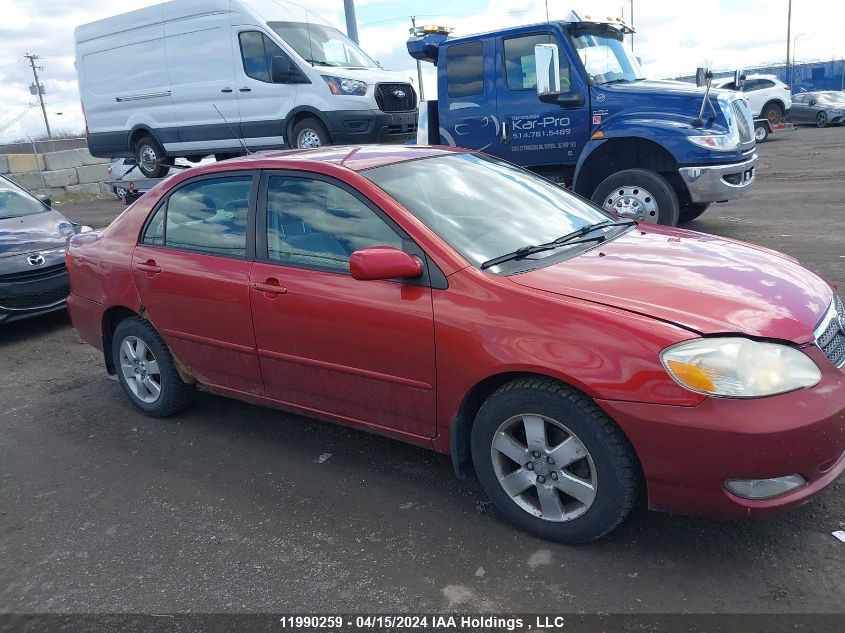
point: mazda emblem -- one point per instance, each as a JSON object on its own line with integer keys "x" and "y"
{"x": 36, "y": 259}
{"x": 399, "y": 94}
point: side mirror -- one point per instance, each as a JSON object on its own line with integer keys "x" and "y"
{"x": 702, "y": 75}
{"x": 44, "y": 199}
{"x": 281, "y": 70}
{"x": 812, "y": 103}
{"x": 739, "y": 79}
{"x": 384, "y": 262}
{"x": 547, "y": 69}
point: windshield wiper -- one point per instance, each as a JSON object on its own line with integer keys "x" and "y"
{"x": 575, "y": 237}
{"x": 621, "y": 80}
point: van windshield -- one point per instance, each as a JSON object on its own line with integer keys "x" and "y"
{"x": 322, "y": 45}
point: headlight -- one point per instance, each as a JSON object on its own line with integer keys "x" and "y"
{"x": 716, "y": 142}
{"x": 341, "y": 86}
{"x": 738, "y": 367}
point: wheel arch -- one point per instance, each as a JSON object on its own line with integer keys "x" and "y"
{"x": 461, "y": 427}
{"x": 775, "y": 100}
{"x": 142, "y": 130}
{"x": 111, "y": 319}
{"x": 301, "y": 113}
{"x": 613, "y": 155}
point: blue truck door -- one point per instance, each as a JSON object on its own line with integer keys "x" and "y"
{"x": 467, "y": 94}
{"x": 537, "y": 133}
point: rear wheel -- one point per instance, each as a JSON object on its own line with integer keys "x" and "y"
{"x": 552, "y": 462}
{"x": 691, "y": 210}
{"x": 146, "y": 370}
{"x": 642, "y": 195}
{"x": 821, "y": 119}
{"x": 150, "y": 158}
{"x": 773, "y": 112}
{"x": 309, "y": 133}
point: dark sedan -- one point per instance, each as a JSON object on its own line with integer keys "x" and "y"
{"x": 33, "y": 243}
{"x": 821, "y": 108}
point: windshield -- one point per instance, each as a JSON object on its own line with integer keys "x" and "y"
{"x": 605, "y": 56}
{"x": 15, "y": 202}
{"x": 484, "y": 207}
{"x": 322, "y": 45}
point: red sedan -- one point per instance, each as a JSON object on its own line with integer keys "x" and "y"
{"x": 448, "y": 299}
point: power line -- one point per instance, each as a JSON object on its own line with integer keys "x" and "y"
{"x": 17, "y": 118}
{"x": 401, "y": 18}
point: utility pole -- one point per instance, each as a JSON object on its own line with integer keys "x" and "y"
{"x": 351, "y": 23}
{"x": 419, "y": 64}
{"x": 40, "y": 91}
{"x": 632, "y": 24}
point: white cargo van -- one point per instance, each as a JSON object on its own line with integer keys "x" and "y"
{"x": 189, "y": 78}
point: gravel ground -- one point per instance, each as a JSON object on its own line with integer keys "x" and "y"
{"x": 237, "y": 508}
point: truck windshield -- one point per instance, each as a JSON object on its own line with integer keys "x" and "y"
{"x": 322, "y": 45}
{"x": 605, "y": 55}
{"x": 484, "y": 207}
{"x": 15, "y": 202}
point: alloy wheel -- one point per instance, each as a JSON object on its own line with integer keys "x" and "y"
{"x": 140, "y": 369}
{"x": 544, "y": 467}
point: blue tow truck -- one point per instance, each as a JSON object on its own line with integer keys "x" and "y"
{"x": 567, "y": 99}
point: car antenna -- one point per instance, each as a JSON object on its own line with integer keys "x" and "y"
{"x": 237, "y": 136}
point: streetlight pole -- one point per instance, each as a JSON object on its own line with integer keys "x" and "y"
{"x": 794, "y": 48}
{"x": 351, "y": 23}
{"x": 40, "y": 91}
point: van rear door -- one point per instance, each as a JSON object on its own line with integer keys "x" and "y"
{"x": 201, "y": 64}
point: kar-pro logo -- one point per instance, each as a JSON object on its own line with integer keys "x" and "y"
{"x": 36, "y": 259}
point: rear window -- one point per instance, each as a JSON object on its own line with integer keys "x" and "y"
{"x": 464, "y": 69}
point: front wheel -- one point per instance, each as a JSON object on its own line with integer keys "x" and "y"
{"x": 146, "y": 370}
{"x": 309, "y": 133}
{"x": 552, "y": 462}
{"x": 639, "y": 194}
{"x": 761, "y": 133}
{"x": 821, "y": 119}
{"x": 691, "y": 210}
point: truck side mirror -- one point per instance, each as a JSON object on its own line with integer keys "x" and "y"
{"x": 739, "y": 79}
{"x": 281, "y": 70}
{"x": 547, "y": 69}
{"x": 701, "y": 76}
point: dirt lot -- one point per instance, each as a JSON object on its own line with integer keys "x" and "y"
{"x": 237, "y": 508}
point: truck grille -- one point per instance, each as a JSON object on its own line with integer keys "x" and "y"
{"x": 746, "y": 131}
{"x": 830, "y": 334}
{"x": 396, "y": 97}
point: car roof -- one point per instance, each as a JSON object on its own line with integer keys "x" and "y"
{"x": 352, "y": 157}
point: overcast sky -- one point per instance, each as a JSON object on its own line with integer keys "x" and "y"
{"x": 673, "y": 38}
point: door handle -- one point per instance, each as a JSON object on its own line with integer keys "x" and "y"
{"x": 244, "y": 89}
{"x": 226, "y": 90}
{"x": 149, "y": 267}
{"x": 504, "y": 130}
{"x": 270, "y": 286}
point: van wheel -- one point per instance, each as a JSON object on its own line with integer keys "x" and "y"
{"x": 691, "y": 210}
{"x": 309, "y": 133}
{"x": 146, "y": 370}
{"x": 639, "y": 194}
{"x": 150, "y": 158}
{"x": 552, "y": 462}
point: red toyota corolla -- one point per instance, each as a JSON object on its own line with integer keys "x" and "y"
{"x": 454, "y": 301}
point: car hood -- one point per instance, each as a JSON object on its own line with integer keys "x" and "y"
{"x": 33, "y": 233}
{"x": 704, "y": 283}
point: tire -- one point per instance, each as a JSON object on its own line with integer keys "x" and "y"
{"x": 643, "y": 195}
{"x": 599, "y": 457}
{"x": 174, "y": 395}
{"x": 773, "y": 112}
{"x": 150, "y": 158}
{"x": 691, "y": 211}
{"x": 821, "y": 119}
{"x": 309, "y": 133}
{"x": 761, "y": 133}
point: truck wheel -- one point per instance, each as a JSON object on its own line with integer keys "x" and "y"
{"x": 639, "y": 194}
{"x": 552, "y": 462}
{"x": 150, "y": 158}
{"x": 773, "y": 112}
{"x": 821, "y": 119}
{"x": 691, "y": 210}
{"x": 309, "y": 133}
{"x": 761, "y": 132}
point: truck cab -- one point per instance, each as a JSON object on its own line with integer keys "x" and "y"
{"x": 656, "y": 151}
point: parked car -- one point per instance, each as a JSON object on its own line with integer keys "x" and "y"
{"x": 768, "y": 97}
{"x": 819, "y": 108}
{"x": 33, "y": 243}
{"x": 191, "y": 78}
{"x": 455, "y": 301}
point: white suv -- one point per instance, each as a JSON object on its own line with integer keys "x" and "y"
{"x": 767, "y": 95}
